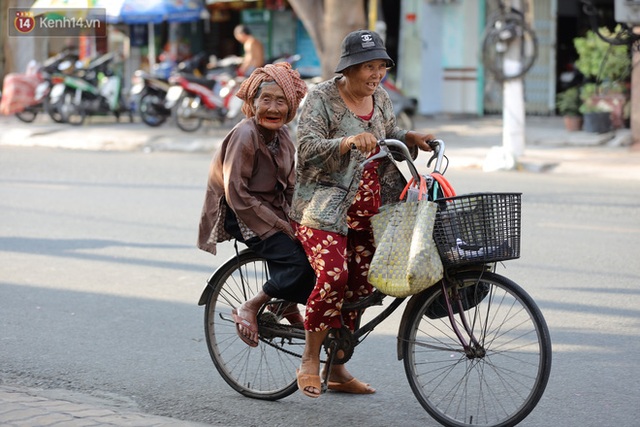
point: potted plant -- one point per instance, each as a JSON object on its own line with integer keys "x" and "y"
{"x": 568, "y": 104}
{"x": 596, "y": 111}
{"x": 609, "y": 66}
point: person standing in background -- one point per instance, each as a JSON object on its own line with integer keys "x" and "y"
{"x": 253, "y": 50}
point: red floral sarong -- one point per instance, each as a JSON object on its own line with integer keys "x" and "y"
{"x": 342, "y": 262}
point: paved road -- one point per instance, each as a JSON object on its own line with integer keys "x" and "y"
{"x": 550, "y": 150}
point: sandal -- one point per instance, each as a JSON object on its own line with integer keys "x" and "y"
{"x": 244, "y": 322}
{"x": 353, "y": 386}
{"x": 308, "y": 380}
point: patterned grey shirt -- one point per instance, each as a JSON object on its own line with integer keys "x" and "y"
{"x": 326, "y": 182}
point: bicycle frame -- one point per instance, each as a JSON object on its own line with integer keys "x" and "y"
{"x": 445, "y": 285}
{"x": 377, "y": 297}
{"x": 475, "y": 346}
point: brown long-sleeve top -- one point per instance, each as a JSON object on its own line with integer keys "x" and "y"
{"x": 255, "y": 183}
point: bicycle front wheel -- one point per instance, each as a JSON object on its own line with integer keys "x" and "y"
{"x": 500, "y": 377}
{"x": 268, "y": 371}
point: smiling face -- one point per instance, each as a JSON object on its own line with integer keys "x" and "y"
{"x": 271, "y": 106}
{"x": 364, "y": 78}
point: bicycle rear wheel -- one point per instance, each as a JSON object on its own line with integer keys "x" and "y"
{"x": 264, "y": 372}
{"x": 497, "y": 382}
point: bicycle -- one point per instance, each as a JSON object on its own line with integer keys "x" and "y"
{"x": 476, "y": 348}
{"x": 507, "y": 26}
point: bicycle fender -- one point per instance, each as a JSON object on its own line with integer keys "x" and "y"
{"x": 207, "y": 290}
{"x": 214, "y": 277}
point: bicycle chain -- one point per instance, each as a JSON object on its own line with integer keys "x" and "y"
{"x": 342, "y": 338}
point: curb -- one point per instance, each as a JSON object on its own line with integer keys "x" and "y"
{"x": 30, "y": 407}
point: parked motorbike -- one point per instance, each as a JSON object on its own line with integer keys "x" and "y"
{"x": 196, "y": 99}
{"x": 28, "y": 93}
{"x": 91, "y": 90}
{"x": 149, "y": 90}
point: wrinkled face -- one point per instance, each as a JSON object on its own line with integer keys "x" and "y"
{"x": 271, "y": 107}
{"x": 366, "y": 77}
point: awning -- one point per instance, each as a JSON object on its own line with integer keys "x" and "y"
{"x": 153, "y": 11}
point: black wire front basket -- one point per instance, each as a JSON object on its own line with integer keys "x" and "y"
{"x": 478, "y": 228}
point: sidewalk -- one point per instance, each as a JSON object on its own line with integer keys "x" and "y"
{"x": 471, "y": 142}
{"x": 30, "y": 407}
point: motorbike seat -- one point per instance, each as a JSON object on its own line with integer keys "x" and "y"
{"x": 199, "y": 80}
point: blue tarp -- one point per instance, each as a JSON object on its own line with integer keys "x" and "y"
{"x": 152, "y": 11}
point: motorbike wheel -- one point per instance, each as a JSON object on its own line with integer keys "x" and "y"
{"x": 151, "y": 110}
{"x": 404, "y": 120}
{"x": 72, "y": 113}
{"x": 185, "y": 115}
{"x": 28, "y": 115}
{"x": 53, "y": 110}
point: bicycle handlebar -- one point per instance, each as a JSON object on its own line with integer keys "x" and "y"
{"x": 437, "y": 145}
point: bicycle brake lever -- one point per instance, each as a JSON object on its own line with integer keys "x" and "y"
{"x": 384, "y": 152}
{"x": 433, "y": 157}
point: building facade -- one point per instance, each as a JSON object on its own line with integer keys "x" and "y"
{"x": 436, "y": 45}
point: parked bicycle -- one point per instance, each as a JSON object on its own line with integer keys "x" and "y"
{"x": 507, "y": 27}
{"x": 476, "y": 348}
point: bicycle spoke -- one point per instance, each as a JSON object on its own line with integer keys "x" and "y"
{"x": 500, "y": 377}
{"x": 263, "y": 372}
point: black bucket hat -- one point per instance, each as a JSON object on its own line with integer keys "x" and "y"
{"x": 362, "y": 46}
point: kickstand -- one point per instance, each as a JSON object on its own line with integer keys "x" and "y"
{"x": 328, "y": 365}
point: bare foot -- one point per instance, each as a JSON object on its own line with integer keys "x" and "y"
{"x": 291, "y": 312}
{"x": 288, "y": 311}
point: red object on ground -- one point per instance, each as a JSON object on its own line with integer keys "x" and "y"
{"x": 18, "y": 92}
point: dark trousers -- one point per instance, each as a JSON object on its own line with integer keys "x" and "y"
{"x": 291, "y": 276}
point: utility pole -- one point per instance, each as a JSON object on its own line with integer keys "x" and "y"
{"x": 513, "y": 110}
{"x": 635, "y": 91}
{"x": 505, "y": 157}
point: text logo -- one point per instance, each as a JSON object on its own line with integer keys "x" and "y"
{"x": 58, "y": 22}
{"x": 24, "y": 22}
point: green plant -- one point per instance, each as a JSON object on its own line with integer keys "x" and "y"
{"x": 600, "y": 60}
{"x": 568, "y": 102}
{"x": 609, "y": 66}
{"x": 589, "y": 100}
{"x": 603, "y": 98}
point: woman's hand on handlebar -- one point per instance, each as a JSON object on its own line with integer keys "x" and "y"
{"x": 365, "y": 142}
{"x": 419, "y": 139}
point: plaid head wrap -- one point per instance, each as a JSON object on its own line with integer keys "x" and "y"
{"x": 288, "y": 79}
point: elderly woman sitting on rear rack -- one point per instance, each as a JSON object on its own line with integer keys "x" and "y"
{"x": 249, "y": 191}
